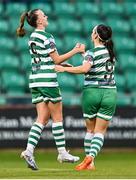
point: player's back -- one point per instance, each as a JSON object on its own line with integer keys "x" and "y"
{"x": 101, "y": 73}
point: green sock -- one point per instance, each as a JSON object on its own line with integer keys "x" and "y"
{"x": 96, "y": 144}
{"x": 59, "y": 136}
{"x": 34, "y": 136}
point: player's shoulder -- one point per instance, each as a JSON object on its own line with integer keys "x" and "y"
{"x": 43, "y": 33}
{"x": 99, "y": 48}
{"x": 89, "y": 52}
{"x": 48, "y": 35}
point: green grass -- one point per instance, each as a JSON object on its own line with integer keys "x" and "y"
{"x": 109, "y": 164}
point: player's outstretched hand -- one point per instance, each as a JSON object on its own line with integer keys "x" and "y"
{"x": 59, "y": 68}
{"x": 79, "y": 48}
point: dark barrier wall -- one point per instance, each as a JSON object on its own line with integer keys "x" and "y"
{"x": 15, "y": 124}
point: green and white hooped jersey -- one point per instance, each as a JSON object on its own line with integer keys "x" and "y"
{"x": 101, "y": 74}
{"x": 43, "y": 74}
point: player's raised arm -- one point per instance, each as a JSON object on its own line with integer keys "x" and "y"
{"x": 79, "y": 48}
{"x": 82, "y": 69}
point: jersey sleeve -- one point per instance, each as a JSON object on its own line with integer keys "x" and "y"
{"x": 50, "y": 44}
{"x": 88, "y": 57}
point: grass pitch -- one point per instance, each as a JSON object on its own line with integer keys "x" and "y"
{"x": 109, "y": 164}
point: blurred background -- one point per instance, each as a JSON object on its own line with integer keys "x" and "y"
{"x": 70, "y": 21}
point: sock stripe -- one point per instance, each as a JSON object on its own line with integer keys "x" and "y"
{"x": 87, "y": 141}
{"x": 97, "y": 143}
{"x": 34, "y": 137}
{"x": 93, "y": 153}
{"x": 97, "y": 149}
{"x": 59, "y": 140}
{"x": 87, "y": 147}
{"x": 60, "y": 145}
{"x": 38, "y": 126}
{"x": 97, "y": 138}
{"x": 36, "y": 132}
{"x": 58, "y": 134}
{"x": 31, "y": 142}
{"x": 57, "y": 128}
{"x": 58, "y": 131}
{"x": 59, "y": 137}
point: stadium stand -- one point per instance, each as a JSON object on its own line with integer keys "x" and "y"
{"x": 70, "y": 21}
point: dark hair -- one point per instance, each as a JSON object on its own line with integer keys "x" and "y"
{"x": 105, "y": 35}
{"x": 31, "y": 18}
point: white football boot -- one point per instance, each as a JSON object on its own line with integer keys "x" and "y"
{"x": 29, "y": 160}
{"x": 66, "y": 157}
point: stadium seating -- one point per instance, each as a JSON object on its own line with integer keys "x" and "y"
{"x": 10, "y": 63}
{"x": 25, "y": 61}
{"x": 46, "y": 8}
{"x": 52, "y": 27}
{"x": 76, "y": 60}
{"x": 7, "y": 44}
{"x": 13, "y": 83}
{"x": 127, "y": 62}
{"x": 15, "y": 9}
{"x": 67, "y": 82}
{"x": 63, "y": 8}
{"x": 1, "y": 8}
{"x": 130, "y": 8}
{"x": 22, "y": 44}
{"x": 134, "y": 99}
{"x": 119, "y": 26}
{"x": 124, "y": 99}
{"x": 122, "y": 45}
{"x": 70, "y": 41}
{"x": 71, "y": 26}
{"x": 87, "y": 9}
{"x": 4, "y": 27}
{"x": 120, "y": 82}
{"x": 89, "y": 24}
{"x": 133, "y": 24}
{"x": 130, "y": 81}
{"x": 69, "y": 99}
{"x": 70, "y": 21}
{"x": 112, "y": 9}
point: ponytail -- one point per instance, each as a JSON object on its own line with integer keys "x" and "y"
{"x": 109, "y": 45}
{"x": 105, "y": 34}
{"x": 20, "y": 30}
